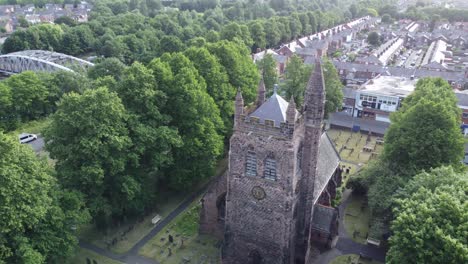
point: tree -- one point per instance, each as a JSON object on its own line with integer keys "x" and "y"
{"x": 425, "y": 133}
{"x": 267, "y": 67}
{"x": 373, "y": 38}
{"x": 386, "y": 18}
{"x": 369, "y": 12}
{"x": 7, "y": 115}
{"x": 65, "y": 20}
{"x": 295, "y": 79}
{"x": 195, "y": 115}
{"x": 234, "y": 31}
{"x": 435, "y": 18}
{"x": 38, "y": 220}
{"x": 354, "y": 10}
{"x": 258, "y": 35}
{"x": 29, "y": 95}
{"x": 171, "y": 44}
{"x": 152, "y": 137}
{"x": 272, "y": 33}
{"x": 239, "y": 66}
{"x": 430, "y": 219}
{"x": 89, "y": 140}
{"x": 333, "y": 87}
{"x": 217, "y": 82}
{"x": 108, "y": 67}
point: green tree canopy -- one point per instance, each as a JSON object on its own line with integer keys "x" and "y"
{"x": 239, "y": 66}
{"x": 38, "y": 220}
{"x": 29, "y": 95}
{"x": 267, "y": 67}
{"x": 195, "y": 115}
{"x": 373, "y": 38}
{"x": 296, "y": 76}
{"x": 89, "y": 140}
{"x": 295, "y": 79}
{"x": 333, "y": 87}
{"x": 430, "y": 219}
{"x": 425, "y": 133}
{"x": 217, "y": 82}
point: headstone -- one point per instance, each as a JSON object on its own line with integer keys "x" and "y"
{"x": 171, "y": 239}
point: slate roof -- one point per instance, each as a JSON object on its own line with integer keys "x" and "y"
{"x": 328, "y": 161}
{"x": 401, "y": 72}
{"x": 273, "y": 109}
{"x": 323, "y": 218}
{"x": 462, "y": 99}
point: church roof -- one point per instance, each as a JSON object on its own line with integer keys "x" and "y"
{"x": 328, "y": 161}
{"x": 273, "y": 109}
{"x": 323, "y": 218}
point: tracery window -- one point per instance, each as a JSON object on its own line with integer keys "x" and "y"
{"x": 270, "y": 169}
{"x": 251, "y": 164}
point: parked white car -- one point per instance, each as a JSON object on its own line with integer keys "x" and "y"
{"x": 25, "y": 138}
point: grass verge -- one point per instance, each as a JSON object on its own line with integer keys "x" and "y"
{"x": 83, "y": 254}
{"x": 357, "y": 219}
{"x": 352, "y": 259}
{"x": 186, "y": 245}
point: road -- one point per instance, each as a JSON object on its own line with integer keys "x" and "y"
{"x": 38, "y": 144}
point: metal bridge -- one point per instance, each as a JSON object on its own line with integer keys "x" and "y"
{"x": 40, "y": 60}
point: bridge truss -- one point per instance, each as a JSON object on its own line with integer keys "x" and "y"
{"x": 40, "y": 60}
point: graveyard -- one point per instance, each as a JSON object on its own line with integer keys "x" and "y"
{"x": 179, "y": 242}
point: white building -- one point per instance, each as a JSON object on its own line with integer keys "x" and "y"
{"x": 379, "y": 97}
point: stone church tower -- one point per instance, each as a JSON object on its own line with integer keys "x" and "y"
{"x": 281, "y": 168}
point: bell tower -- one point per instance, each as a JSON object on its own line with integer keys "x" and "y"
{"x": 272, "y": 170}
{"x": 259, "y": 226}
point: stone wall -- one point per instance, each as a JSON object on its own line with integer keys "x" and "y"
{"x": 213, "y": 208}
{"x": 259, "y": 225}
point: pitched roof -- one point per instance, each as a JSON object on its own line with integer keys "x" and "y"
{"x": 273, "y": 109}
{"x": 328, "y": 161}
{"x": 323, "y": 218}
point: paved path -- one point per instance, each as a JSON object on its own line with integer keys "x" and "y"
{"x": 345, "y": 244}
{"x": 38, "y": 144}
{"x": 132, "y": 257}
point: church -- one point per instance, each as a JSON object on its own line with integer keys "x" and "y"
{"x": 273, "y": 205}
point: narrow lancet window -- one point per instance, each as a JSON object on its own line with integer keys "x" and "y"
{"x": 251, "y": 164}
{"x": 270, "y": 169}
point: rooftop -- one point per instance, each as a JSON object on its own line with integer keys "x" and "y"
{"x": 390, "y": 86}
{"x": 273, "y": 109}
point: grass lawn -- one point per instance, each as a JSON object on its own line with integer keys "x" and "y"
{"x": 83, "y": 254}
{"x": 351, "y": 259}
{"x": 167, "y": 201}
{"x": 33, "y": 127}
{"x": 351, "y": 145}
{"x": 187, "y": 243}
{"x": 353, "y": 168}
{"x": 357, "y": 219}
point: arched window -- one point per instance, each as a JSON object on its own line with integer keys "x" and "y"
{"x": 251, "y": 164}
{"x": 270, "y": 169}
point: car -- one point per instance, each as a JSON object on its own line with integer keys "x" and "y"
{"x": 25, "y": 138}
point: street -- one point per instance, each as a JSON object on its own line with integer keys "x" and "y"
{"x": 37, "y": 145}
